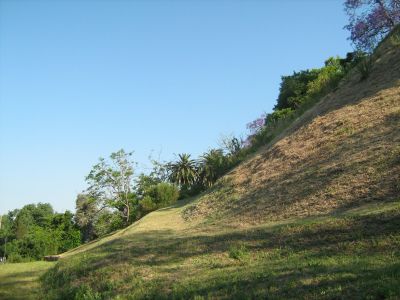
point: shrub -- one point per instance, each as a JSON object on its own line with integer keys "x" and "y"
{"x": 16, "y": 258}
{"x": 158, "y": 196}
{"x": 147, "y": 205}
{"x": 327, "y": 79}
{"x": 277, "y": 115}
{"x": 165, "y": 194}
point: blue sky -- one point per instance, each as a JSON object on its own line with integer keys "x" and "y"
{"x": 81, "y": 79}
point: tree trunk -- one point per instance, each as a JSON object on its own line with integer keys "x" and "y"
{"x": 127, "y": 213}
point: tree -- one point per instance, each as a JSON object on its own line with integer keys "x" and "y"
{"x": 213, "y": 165}
{"x": 70, "y": 235}
{"x": 86, "y": 211}
{"x": 111, "y": 182}
{"x": 230, "y": 144}
{"x": 294, "y": 88}
{"x": 256, "y": 125}
{"x": 5, "y": 232}
{"x": 36, "y": 230}
{"x": 371, "y": 20}
{"x": 183, "y": 171}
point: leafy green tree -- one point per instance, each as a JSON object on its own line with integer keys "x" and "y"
{"x": 327, "y": 79}
{"x": 32, "y": 214}
{"x": 6, "y": 233}
{"x": 39, "y": 242}
{"x": 111, "y": 182}
{"x": 108, "y": 221}
{"x": 69, "y": 233}
{"x": 35, "y": 231}
{"x": 294, "y": 88}
{"x": 145, "y": 184}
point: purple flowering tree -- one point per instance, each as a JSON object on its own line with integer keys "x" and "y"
{"x": 256, "y": 125}
{"x": 371, "y": 20}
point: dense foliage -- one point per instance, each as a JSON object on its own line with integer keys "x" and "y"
{"x": 35, "y": 231}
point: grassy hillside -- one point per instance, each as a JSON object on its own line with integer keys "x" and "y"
{"x": 314, "y": 215}
{"x": 342, "y": 153}
{"x": 352, "y": 255}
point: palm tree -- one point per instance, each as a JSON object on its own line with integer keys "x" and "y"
{"x": 213, "y": 165}
{"x": 85, "y": 215}
{"x": 183, "y": 171}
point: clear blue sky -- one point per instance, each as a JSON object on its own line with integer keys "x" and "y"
{"x": 80, "y": 79}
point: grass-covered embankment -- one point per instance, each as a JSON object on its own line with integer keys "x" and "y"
{"x": 354, "y": 254}
{"x": 315, "y": 214}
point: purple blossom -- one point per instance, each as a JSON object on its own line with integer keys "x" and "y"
{"x": 371, "y": 20}
{"x": 256, "y": 125}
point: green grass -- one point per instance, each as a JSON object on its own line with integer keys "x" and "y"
{"x": 21, "y": 281}
{"x": 354, "y": 254}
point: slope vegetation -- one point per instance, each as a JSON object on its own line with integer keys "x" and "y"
{"x": 343, "y": 152}
{"x": 315, "y": 214}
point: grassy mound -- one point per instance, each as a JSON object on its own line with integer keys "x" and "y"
{"x": 341, "y": 153}
{"x": 315, "y": 214}
{"x": 354, "y": 255}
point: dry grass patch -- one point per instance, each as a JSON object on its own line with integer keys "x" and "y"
{"x": 341, "y": 153}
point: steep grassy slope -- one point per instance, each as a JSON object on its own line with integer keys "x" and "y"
{"x": 343, "y": 152}
{"x": 315, "y": 214}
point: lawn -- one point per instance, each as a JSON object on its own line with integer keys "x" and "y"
{"x": 352, "y": 255}
{"x": 21, "y": 280}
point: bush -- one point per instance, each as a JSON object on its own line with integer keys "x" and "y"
{"x": 327, "y": 79}
{"x": 147, "y": 205}
{"x": 165, "y": 194}
{"x": 158, "y": 196}
{"x": 16, "y": 258}
{"x": 278, "y": 115}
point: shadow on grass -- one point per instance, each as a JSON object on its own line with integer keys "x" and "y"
{"x": 18, "y": 283}
{"x": 325, "y": 259}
